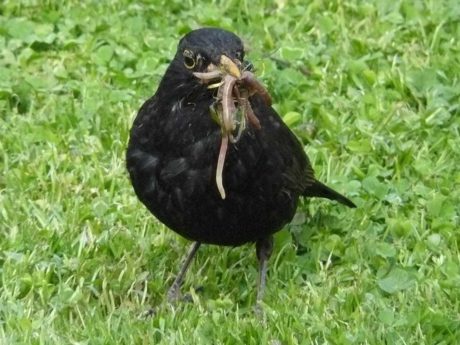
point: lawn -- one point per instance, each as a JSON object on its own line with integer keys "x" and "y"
{"x": 372, "y": 88}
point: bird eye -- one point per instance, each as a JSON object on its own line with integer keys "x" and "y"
{"x": 189, "y": 60}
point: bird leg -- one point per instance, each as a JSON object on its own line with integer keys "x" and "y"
{"x": 264, "y": 249}
{"x": 174, "y": 290}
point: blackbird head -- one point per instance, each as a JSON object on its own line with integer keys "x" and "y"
{"x": 207, "y": 49}
{"x": 204, "y": 50}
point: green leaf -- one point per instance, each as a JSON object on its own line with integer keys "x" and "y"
{"x": 434, "y": 242}
{"x": 103, "y": 55}
{"x": 440, "y": 207}
{"x": 372, "y": 185}
{"x": 6, "y": 76}
{"x": 422, "y": 81}
{"x": 326, "y": 24}
{"x": 360, "y": 146}
{"x": 399, "y": 227}
{"x": 291, "y": 53}
{"x": 397, "y": 280}
{"x": 44, "y": 33}
{"x": 387, "y": 316}
{"x": 147, "y": 64}
{"x": 385, "y": 250}
{"x": 291, "y": 118}
{"x": 21, "y": 29}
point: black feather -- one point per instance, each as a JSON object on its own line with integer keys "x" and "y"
{"x": 318, "y": 189}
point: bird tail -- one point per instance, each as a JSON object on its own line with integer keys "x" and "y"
{"x": 319, "y": 189}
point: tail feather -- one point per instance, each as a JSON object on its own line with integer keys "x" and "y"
{"x": 319, "y": 189}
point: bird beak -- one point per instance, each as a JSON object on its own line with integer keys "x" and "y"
{"x": 229, "y": 67}
{"x": 226, "y": 66}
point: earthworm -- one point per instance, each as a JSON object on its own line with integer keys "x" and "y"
{"x": 243, "y": 100}
{"x": 206, "y": 77}
{"x": 220, "y": 165}
{"x": 228, "y": 105}
{"x": 230, "y": 90}
{"x": 254, "y": 86}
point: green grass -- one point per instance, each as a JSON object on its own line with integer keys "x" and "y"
{"x": 371, "y": 87}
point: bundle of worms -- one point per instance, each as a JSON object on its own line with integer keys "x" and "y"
{"x": 233, "y": 109}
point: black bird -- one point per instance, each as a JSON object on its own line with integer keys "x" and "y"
{"x": 174, "y": 149}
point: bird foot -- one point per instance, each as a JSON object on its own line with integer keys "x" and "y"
{"x": 259, "y": 310}
{"x": 173, "y": 297}
{"x": 148, "y": 313}
{"x": 173, "y": 294}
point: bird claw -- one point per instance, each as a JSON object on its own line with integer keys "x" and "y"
{"x": 149, "y": 313}
{"x": 176, "y": 296}
{"x": 173, "y": 295}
